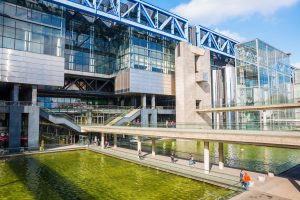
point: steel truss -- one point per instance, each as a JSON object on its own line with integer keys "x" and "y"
{"x": 134, "y": 13}
{"x": 215, "y": 42}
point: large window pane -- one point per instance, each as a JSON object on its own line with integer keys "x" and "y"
{"x": 22, "y": 12}
{"x": 8, "y": 43}
{"x": 35, "y": 47}
{"x": 46, "y": 19}
{"x": 56, "y": 21}
{"x": 9, "y": 32}
{"x": 10, "y": 9}
{"x": 36, "y": 16}
{"x": 9, "y": 22}
{"x": 20, "y": 34}
{"x": 20, "y": 45}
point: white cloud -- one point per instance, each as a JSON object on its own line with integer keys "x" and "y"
{"x": 231, "y": 34}
{"x": 212, "y": 12}
{"x": 297, "y": 65}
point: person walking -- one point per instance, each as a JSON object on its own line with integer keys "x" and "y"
{"x": 246, "y": 180}
{"x": 242, "y": 176}
{"x": 140, "y": 154}
{"x": 172, "y": 158}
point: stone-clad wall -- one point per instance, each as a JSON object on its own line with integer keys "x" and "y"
{"x": 188, "y": 60}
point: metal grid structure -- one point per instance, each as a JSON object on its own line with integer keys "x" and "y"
{"x": 134, "y": 13}
{"x": 215, "y": 42}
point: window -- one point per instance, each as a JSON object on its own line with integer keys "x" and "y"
{"x": 56, "y": 21}
{"x": 20, "y": 45}
{"x": 8, "y": 43}
{"x": 21, "y": 12}
{"x": 46, "y": 19}
{"x": 36, "y": 16}
{"x": 10, "y": 9}
{"x": 9, "y": 32}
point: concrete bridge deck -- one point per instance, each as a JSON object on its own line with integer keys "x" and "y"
{"x": 266, "y": 138}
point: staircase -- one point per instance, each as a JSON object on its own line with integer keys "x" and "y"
{"x": 125, "y": 117}
{"x": 60, "y": 118}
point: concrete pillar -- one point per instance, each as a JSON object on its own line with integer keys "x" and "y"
{"x": 115, "y": 140}
{"x": 144, "y": 101}
{"x": 15, "y": 93}
{"x": 153, "y": 118}
{"x": 206, "y": 157}
{"x": 15, "y": 127}
{"x": 34, "y": 95}
{"x": 89, "y": 117}
{"x": 139, "y": 143}
{"x": 221, "y": 155}
{"x": 33, "y": 127}
{"x": 153, "y": 147}
{"x": 264, "y": 115}
{"x": 153, "y": 102}
{"x": 144, "y": 117}
{"x": 102, "y": 140}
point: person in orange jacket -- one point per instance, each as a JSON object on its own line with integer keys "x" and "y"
{"x": 247, "y": 180}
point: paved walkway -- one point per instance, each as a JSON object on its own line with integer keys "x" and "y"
{"x": 275, "y": 188}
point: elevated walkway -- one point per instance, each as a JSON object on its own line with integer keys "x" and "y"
{"x": 61, "y": 119}
{"x": 249, "y": 108}
{"x": 266, "y": 138}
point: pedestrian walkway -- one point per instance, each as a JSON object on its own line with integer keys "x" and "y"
{"x": 181, "y": 167}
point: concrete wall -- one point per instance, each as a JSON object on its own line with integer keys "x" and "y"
{"x": 190, "y": 60}
{"x": 145, "y": 82}
{"x": 31, "y": 68}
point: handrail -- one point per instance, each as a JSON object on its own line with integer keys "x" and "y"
{"x": 255, "y": 103}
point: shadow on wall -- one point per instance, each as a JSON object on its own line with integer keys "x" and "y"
{"x": 207, "y": 118}
{"x": 205, "y": 87}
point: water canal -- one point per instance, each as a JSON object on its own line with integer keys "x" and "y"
{"x": 249, "y": 157}
{"x": 88, "y": 175}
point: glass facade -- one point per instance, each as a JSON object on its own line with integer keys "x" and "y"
{"x": 36, "y": 29}
{"x": 88, "y": 44}
{"x": 264, "y": 77}
{"x": 264, "y": 74}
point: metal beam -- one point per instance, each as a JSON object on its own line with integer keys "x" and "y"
{"x": 95, "y": 9}
{"x": 208, "y": 41}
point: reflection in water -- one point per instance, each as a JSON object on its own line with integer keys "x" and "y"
{"x": 255, "y": 158}
{"x": 88, "y": 175}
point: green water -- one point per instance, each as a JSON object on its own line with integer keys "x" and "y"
{"x": 255, "y": 158}
{"x": 88, "y": 175}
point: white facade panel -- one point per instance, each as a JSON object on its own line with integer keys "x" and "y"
{"x": 31, "y": 68}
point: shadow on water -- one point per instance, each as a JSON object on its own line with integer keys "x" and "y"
{"x": 45, "y": 183}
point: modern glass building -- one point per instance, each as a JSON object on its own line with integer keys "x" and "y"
{"x": 91, "y": 61}
{"x": 264, "y": 77}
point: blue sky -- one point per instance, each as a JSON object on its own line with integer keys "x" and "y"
{"x": 275, "y": 21}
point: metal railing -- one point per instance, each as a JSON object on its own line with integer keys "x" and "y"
{"x": 274, "y": 125}
{"x": 16, "y": 103}
{"x": 249, "y": 103}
